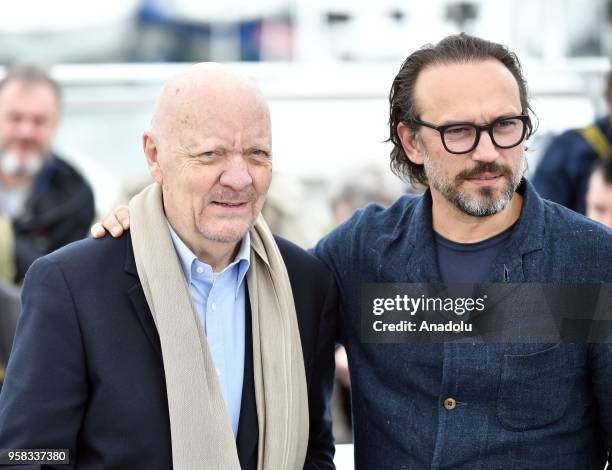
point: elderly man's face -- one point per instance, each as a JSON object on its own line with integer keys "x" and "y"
{"x": 28, "y": 118}
{"x": 215, "y": 164}
{"x": 482, "y": 182}
{"x": 599, "y": 200}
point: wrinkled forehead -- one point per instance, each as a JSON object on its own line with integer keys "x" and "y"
{"x": 203, "y": 105}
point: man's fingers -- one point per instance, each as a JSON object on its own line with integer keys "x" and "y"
{"x": 113, "y": 225}
{"x": 97, "y": 231}
{"x": 122, "y": 214}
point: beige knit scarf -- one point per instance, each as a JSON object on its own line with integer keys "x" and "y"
{"x": 201, "y": 433}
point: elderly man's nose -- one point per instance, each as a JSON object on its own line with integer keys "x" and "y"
{"x": 236, "y": 175}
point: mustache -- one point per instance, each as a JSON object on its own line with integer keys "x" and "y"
{"x": 23, "y": 142}
{"x": 229, "y": 196}
{"x": 485, "y": 167}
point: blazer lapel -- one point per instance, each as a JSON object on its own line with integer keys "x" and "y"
{"x": 139, "y": 302}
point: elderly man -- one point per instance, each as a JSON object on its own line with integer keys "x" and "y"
{"x": 44, "y": 202}
{"x": 599, "y": 193}
{"x": 179, "y": 345}
{"x": 459, "y": 120}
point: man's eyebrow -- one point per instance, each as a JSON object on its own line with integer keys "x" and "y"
{"x": 259, "y": 146}
{"x": 202, "y": 146}
{"x": 451, "y": 122}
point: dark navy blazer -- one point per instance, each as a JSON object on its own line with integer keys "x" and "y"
{"x": 86, "y": 369}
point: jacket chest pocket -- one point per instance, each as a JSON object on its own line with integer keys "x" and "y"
{"x": 535, "y": 388}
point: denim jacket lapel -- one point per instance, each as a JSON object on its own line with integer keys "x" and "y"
{"x": 422, "y": 263}
{"x": 527, "y": 237}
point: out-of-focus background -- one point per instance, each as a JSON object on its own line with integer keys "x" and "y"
{"x": 325, "y": 66}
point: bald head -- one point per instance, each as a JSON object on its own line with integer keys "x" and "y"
{"x": 209, "y": 147}
{"x": 203, "y": 92}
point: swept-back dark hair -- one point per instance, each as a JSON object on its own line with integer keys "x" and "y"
{"x": 459, "y": 48}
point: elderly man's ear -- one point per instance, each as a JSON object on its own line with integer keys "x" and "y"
{"x": 150, "y": 150}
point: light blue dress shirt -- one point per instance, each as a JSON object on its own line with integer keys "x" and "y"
{"x": 219, "y": 301}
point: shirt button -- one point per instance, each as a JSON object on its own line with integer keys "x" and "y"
{"x": 450, "y": 403}
{"x": 213, "y": 306}
{"x": 200, "y": 269}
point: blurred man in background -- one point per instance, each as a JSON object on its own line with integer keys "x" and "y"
{"x": 563, "y": 173}
{"x": 599, "y": 193}
{"x": 44, "y": 202}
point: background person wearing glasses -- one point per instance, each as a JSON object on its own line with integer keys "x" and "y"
{"x": 458, "y": 122}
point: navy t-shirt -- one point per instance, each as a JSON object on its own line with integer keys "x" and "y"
{"x": 468, "y": 262}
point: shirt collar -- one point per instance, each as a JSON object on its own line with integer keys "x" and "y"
{"x": 187, "y": 258}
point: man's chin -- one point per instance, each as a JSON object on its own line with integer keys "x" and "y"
{"x": 222, "y": 237}
{"x": 225, "y": 234}
{"x": 482, "y": 205}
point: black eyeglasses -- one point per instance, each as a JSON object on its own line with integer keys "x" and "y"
{"x": 463, "y": 137}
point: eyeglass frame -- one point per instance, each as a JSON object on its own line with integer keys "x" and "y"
{"x": 524, "y": 118}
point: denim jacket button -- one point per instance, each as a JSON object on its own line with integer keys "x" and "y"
{"x": 450, "y": 403}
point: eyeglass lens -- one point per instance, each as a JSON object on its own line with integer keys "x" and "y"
{"x": 506, "y": 133}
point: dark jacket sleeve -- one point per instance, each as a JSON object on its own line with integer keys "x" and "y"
{"x": 320, "y": 454}
{"x": 563, "y": 172}
{"x": 59, "y": 211}
{"x": 552, "y": 179}
{"x": 10, "y": 307}
{"x": 45, "y": 390}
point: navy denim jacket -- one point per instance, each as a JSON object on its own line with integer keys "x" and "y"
{"x": 519, "y": 406}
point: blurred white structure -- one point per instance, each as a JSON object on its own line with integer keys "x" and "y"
{"x": 322, "y": 30}
{"x": 64, "y": 30}
{"x": 389, "y": 29}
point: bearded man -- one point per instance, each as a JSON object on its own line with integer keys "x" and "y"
{"x": 44, "y": 202}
